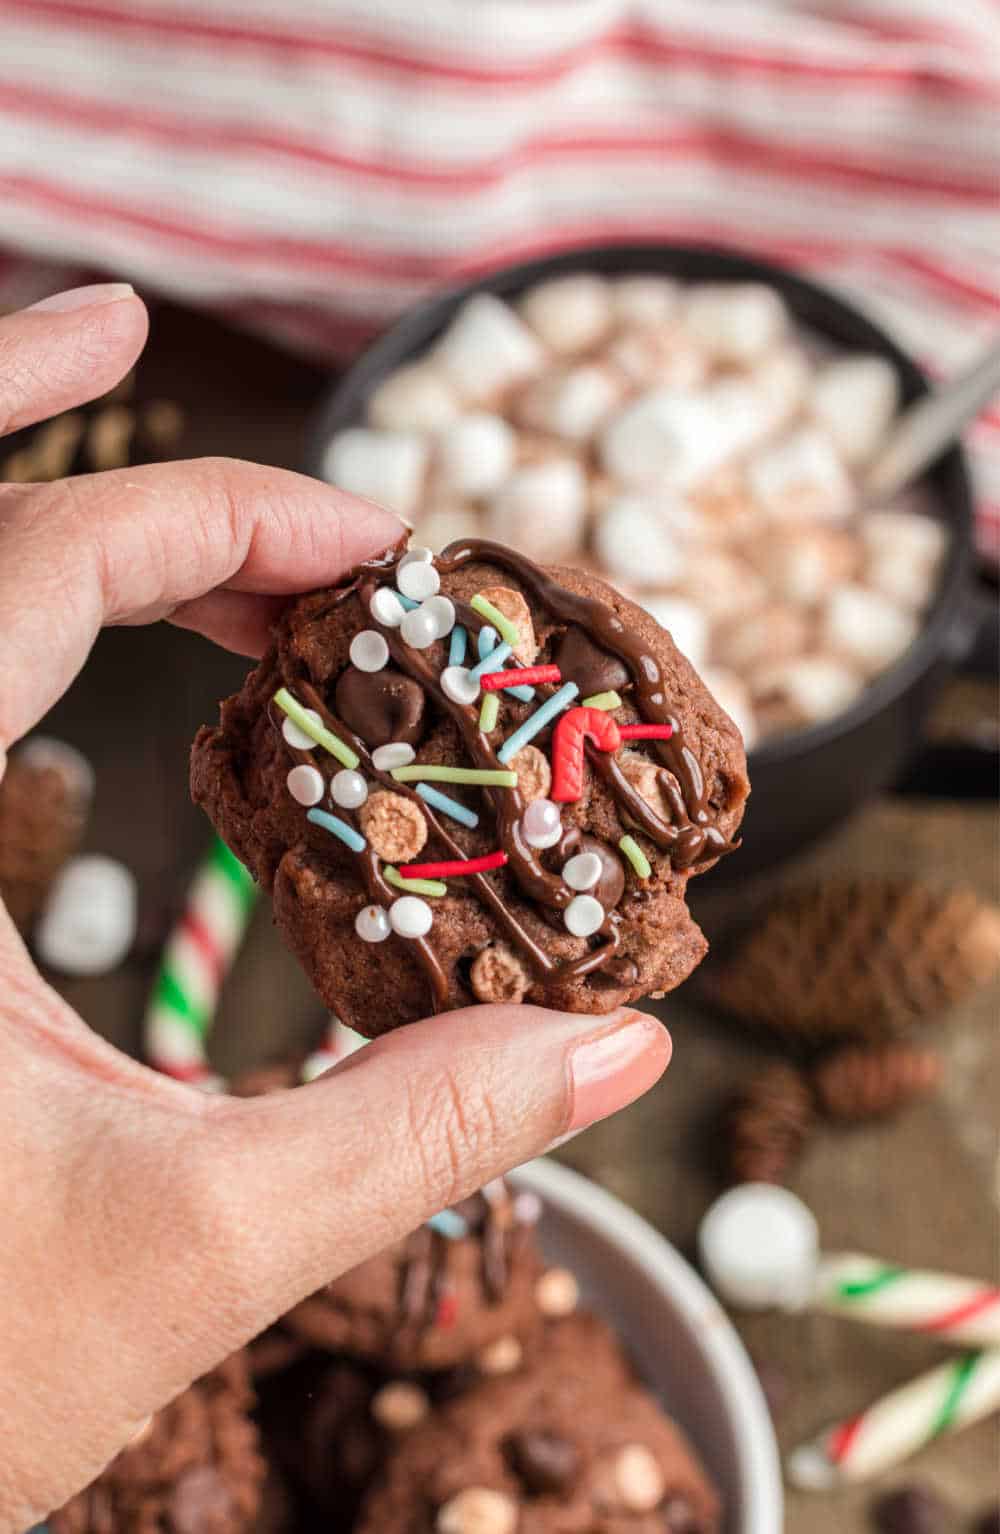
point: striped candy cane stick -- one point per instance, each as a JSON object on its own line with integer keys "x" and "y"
{"x": 941, "y": 1401}
{"x": 198, "y": 955}
{"x": 959, "y": 1310}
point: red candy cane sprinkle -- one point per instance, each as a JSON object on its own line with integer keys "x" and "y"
{"x": 571, "y": 733}
{"x": 524, "y": 676}
{"x": 645, "y": 731}
{"x": 450, "y": 870}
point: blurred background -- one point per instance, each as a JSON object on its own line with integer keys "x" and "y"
{"x": 283, "y": 185}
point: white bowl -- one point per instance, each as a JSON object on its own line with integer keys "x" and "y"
{"x": 682, "y": 1341}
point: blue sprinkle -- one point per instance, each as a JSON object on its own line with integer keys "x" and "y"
{"x": 488, "y": 640}
{"x": 538, "y": 720}
{"x": 456, "y": 650}
{"x": 338, "y": 828}
{"x": 447, "y": 806}
{"x": 493, "y": 661}
{"x": 522, "y": 694}
{"x": 449, "y": 1224}
{"x": 407, "y": 602}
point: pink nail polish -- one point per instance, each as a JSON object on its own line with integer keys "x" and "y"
{"x": 91, "y": 297}
{"x": 614, "y": 1067}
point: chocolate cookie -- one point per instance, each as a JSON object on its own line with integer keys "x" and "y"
{"x": 570, "y": 1443}
{"x": 194, "y": 1468}
{"x": 463, "y": 1287}
{"x": 370, "y": 755}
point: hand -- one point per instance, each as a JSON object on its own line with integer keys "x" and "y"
{"x": 149, "y": 1229}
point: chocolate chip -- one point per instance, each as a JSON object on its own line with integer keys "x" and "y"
{"x": 911, "y": 1510}
{"x": 545, "y": 1462}
{"x": 200, "y": 1503}
{"x": 989, "y": 1522}
{"x": 679, "y": 1517}
{"x": 585, "y": 663}
{"x": 381, "y": 706}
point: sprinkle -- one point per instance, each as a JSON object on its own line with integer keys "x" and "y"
{"x": 537, "y": 721}
{"x": 449, "y": 1224}
{"x": 582, "y": 871}
{"x": 459, "y": 643}
{"x": 338, "y": 828}
{"x": 522, "y": 694}
{"x": 419, "y": 629}
{"x": 500, "y": 622}
{"x": 305, "y": 784}
{"x": 417, "y": 552}
{"x": 297, "y": 737}
{"x": 418, "y": 579}
{"x": 484, "y": 777}
{"x": 407, "y": 602}
{"x": 413, "y": 886}
{"x": 348, "y": 789}
{"x": 369, "y": 651}
{"x": 605, "y": 700}
{"x": 449, "y": 807}
{"x": 645, "y": 731}
{"x": 395, "y": 753}
{"x": 411, "y": 917}
{"x": 372, "y": 924}
{"x": 495, "y": 681}
{"x": 493, "y": 661}
{"x": 447, "y": 1311}
{"x": 489, "y": 713}
{"x": 459, "y": 684}
{"x": 636, "y": 856}
{"x": 386, "y": 607}
{"x": 541, "y": 823}
{"x": 584, "y": 916}
{"x": 487, "y": 641}
{"x": 442, "y": 610}
{"x": 457, "y": 868}
{"x": 316, "y": 732}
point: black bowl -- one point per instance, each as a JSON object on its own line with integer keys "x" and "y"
{"x": 805, "y": 782}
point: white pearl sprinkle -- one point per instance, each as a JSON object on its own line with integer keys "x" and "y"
{"x": 415, "y": 555}
{"x": 419, "y": 629}
{"x": 418, "y": 580}
{"x": 369, "y": 651}
{"x": 348, "y": 789}
{"x": 298, "y": 738}
{"x": 410, "y": 916}
{"x": 305, "y": 784}
{"x": 458, "y": 684}
{"x": 395, "y": 754}
{"x": 372, "y": 924}
{"x": 386, "y": 608}
{"x": 583, "y": 916}
{"x": 442, "y": 610}
{"x": 583, "y": 871}
{"x": 541, "y": 824}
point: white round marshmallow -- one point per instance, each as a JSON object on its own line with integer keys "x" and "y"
{"x": 759, "y": 1247}
{"x": 475, "y": 454}
{"x": 415, "y": 398}
{"x": 570, "y": 314}
{"x": 388, "y": 467}
{"x": 88, "y": 923}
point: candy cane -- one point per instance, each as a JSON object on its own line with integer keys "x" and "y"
{"x": 571, "y": 733}
{"x": 865, "y": 1289}
{"x": 941, "y": 1401}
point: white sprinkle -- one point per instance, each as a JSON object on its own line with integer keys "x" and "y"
{"x": 305, "y": 784}
{"x": 386, "y": 608}
{"x": 458, "y": 684}
{"x": 298, "y": 738}
{"x": 541, "y": 823}
{"x": 410, "y": 916}
{"x": 396, "y": 754}
{"x": 442, "y": 610}
{"x": 583, "y": 916}
{"x": 419, "y": 629}
{"x": 369, "y": 651}
{"x": 372, "y": 924}
{"x": 415, "y": 555}
{"x": 583, "y": 871}
{"x": 418, "y": 580}
{"x": 348, "y": 789}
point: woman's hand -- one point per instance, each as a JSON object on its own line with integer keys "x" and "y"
{"x": 148, "y": 1229}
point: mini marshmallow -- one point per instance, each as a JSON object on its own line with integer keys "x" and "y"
{"x": 475, "y": 454}
{"x": 805, "y": 689}
{"x": 383, "y": 466}
{"x": 443, "y": 524}
{"x": 415, "y": 398}
{"x": 486, "y": 349}
{"x": 572, "y": 403}
{"x": 781, "y": 384}
{"x": 907, "y": 583}
{"x": 88, "y": 923}
{"x": 644, "y": 301}
{"x": 662, "y": 356}
{"x": 541, "y": 509}
{"x": 666, "y": 437}
{"x": 734, "y": 322}
{"x": 684, "y": 621}
{"x": 571, "y": 313}
{"x": 723, "y": 586}
{"x": 733, "y": 698}
{"x": 802, "y": 475}
{"x": 855, "y": 399}
{"x": 759, "y": 1247}
{"x": 908, "y": 536}
{"x": 801, "y": 564}
{"x": 867, "y": 628}
{"x": 636, "y": 543}
{"x": 776, "y": 630}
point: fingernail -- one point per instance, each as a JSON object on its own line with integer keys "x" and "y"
{"x": 83, "y": 298}
{"x": 612, "y": 1068}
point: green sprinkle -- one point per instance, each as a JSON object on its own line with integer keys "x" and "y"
{"x": 317, "y": 732}
{"x": 503, "y": 626}
{"x": 488, "y": 712}
{"x": 636, "y": 856}
{"x": 602, "y": 700}
{"x": 413, "y": 886}
{"x": 485, "y": 777}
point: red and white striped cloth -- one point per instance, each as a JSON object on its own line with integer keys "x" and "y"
{"x": 311, "y": 168}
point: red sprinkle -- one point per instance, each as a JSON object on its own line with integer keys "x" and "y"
{"x": 524, "y": 676}
{"x": 460, "y": 866}
{"x": 447, "y": 1311}
{"x": 569, "y": 737}
{"x": 645, "y": 731}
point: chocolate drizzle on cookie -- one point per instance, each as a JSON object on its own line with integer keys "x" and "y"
{"x": 423, "y": 1283}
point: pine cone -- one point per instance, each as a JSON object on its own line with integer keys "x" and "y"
{"x": 864, "y": 957}
{"x": 859, "y": 1083}
{"x": 767, "y": 1125}
{"x": 44, "y": 798}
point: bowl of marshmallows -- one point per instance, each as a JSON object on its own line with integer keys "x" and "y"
{"x": 693, "y": 426}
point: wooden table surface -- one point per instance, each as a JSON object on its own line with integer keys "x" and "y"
{"x": 919, "y": 1190}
